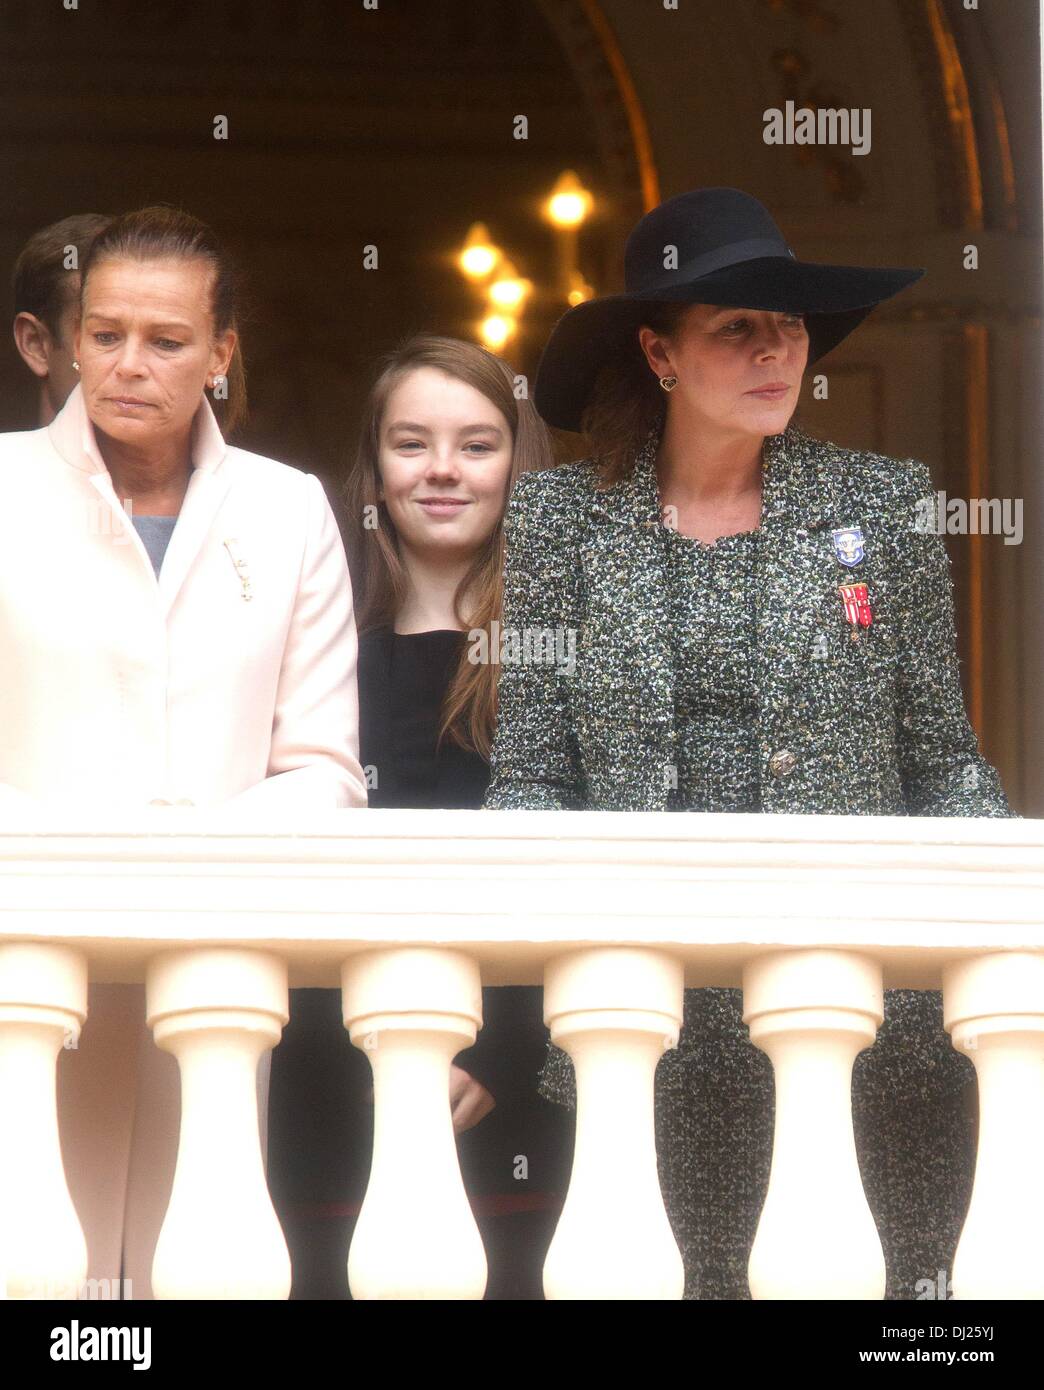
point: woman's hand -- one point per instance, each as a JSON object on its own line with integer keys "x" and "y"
{"x": 469, "y": 1099}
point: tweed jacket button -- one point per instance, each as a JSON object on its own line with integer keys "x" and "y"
{"x": 782, "y": 763}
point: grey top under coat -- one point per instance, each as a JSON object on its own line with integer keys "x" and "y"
{"x": 155, "y": 533}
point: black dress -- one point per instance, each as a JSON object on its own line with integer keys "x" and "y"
{"x": 320, "y": 1106}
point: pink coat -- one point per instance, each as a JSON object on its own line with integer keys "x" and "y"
{"x": 119, "y": 690}
{"x": 229, "y": 682}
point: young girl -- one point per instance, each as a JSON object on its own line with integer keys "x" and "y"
{"x": 442, "y": 441}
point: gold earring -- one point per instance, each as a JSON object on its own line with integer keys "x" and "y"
{"x": 668, "y": 382}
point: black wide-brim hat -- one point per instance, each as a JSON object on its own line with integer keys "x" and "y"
{"x": 727, "y": 250}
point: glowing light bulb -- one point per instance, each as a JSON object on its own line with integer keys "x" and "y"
{"x": 496, "y": 329}
{"x": 479, "y": 257}
{"x": 569, "y": 203}
{"x": 579, "y": 289}
{"x": 509, "y": 290}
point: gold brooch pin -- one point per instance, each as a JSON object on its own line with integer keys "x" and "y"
{"x": 241, "y": 568}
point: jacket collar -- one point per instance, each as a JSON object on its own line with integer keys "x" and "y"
{"x": 799, "y": 483}
{"x": 72, "y": 434}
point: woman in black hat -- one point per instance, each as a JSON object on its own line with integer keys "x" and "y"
{"x": 761, "y": 625}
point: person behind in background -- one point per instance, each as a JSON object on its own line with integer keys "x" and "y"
{"x": 442, "y": 440}
{"x": 46, "y": 284}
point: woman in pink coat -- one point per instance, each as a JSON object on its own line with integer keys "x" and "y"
{"x": 176, "y": 628}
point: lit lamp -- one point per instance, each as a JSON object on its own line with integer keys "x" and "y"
{"x": 569, "y": 203}
{"x": 566, "y": 208}
{"x": 496, "y": 329}
{"x": 479, "y": 257}
{"x": 509, "y": 291}
{"x": 579, "y": 290}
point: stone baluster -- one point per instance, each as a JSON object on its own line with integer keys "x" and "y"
{"x": 993, "y": 1007}
{"x": 812, "y": 1011}
{"x": 217, "y": 1009}
{"x": 615, "y": 1010}
{"x": 412, "y": 1010}
{"x": 43, "y": 1005}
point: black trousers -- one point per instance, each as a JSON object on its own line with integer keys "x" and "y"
{"x": 320, "y": 1137}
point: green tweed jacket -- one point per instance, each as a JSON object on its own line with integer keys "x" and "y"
{"x": 872, "y": 726}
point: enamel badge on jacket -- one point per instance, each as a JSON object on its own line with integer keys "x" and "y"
{"x": 871, "y": 726}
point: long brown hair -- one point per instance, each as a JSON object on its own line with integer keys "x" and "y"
{"x": 378, "y": 576}
{"x": 161, "y": 231}
{"x": 627, "y": 399}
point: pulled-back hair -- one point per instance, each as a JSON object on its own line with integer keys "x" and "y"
{"x": 46, "y": 278}
{"x": 627, "y": 400}
{"x": 378, "y": 576}
{"x": 162, "y": 232}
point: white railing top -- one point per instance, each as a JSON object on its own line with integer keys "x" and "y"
{"x": 515, "y": 887}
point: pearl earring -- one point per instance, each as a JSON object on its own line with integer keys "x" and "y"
{"x": 76, "y": 366}
{"x": 668, "y": 382}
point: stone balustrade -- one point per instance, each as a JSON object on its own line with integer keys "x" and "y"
{"x": 411, "y": 912}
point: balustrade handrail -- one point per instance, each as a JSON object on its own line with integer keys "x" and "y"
{"x": 507, "y": 885}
